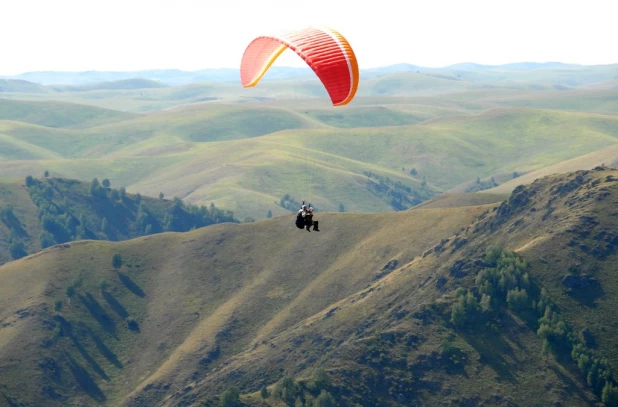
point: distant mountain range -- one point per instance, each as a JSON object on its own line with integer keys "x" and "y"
{"x": 179, "y": 77}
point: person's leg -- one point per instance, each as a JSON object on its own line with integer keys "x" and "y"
{"x": 308, "y": 222}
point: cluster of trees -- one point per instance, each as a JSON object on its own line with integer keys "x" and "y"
{"x": 397, "y": 194}
{"x": 58, "y": 223}
{"x": 505, "y": 283}
{"x": 314, "y": 392}
{"x": 291, "y": 204}
{"x": 17, "y": 246}
{"x": 181, "y": 217}
{"x": 62, "y": 222}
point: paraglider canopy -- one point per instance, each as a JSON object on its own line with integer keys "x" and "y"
{"x": 325, "y": 50}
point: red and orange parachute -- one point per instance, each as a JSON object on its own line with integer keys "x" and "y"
{"x": 325, "y": 50}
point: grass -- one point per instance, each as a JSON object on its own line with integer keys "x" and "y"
{"x": 198, "y": 291}
{"x": 449, "y": 129}
{"x": 58, "y": 114}
{"x": 504, "y": 363}
{"x": 221, "y": 153}
{"x": 264, "y": 299}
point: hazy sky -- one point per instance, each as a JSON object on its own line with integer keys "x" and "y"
{"x": 76, "y": 35}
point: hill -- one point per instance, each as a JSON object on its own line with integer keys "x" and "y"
{"x": 58, "y": 114}
{"x": 552, "y": 72}
{"x": 121, "y": 84}
{"x": 606, "y": 156}
{"x": 246, "y": 157}
{"x": 507, "y": 304}
{"x": 20, "y": 85}
{"x": 49, "y": 211}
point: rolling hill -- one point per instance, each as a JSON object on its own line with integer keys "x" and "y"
{"x": 551, "y": 72}
{"x": 43, "y": 212}
{"x": 392, "y": 306}
{"x": 245, "y": 157}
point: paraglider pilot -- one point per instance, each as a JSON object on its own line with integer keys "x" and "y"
{"x": 304, "y": 219}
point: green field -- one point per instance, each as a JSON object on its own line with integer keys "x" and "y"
{"x": 246, "y": 156}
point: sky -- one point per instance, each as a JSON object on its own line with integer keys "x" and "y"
{"x": 130, "y": 35}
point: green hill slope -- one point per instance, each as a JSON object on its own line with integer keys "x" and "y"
{"x": 494, "y": 304}
{"x": 512, "y": 310}
{"x": 58, "y": 114}
{"x": 20, "y": 85}
{"x": 187, "y": 293}
{"x": 245, "y": 158}
{"x": 122, "y": 84}
{"x": 606, "y": 156}
{"x": 45, "y": 212}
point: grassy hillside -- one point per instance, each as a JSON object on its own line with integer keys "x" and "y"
{"x": 58, "y": 114}
{"x": 186, "y": 293}
{"x": 49, "y": 211}
{"x": 606, "y": 156}
{"x": 574, "y": 88}
{"x": 20, "y": 85}
{"x": 246, "y": 157}
{"x": 122, "y": 84}
{"x": 179, "y": 318}
{"x": 513, "y": 310}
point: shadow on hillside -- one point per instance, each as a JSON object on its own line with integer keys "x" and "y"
{"x": 130, "y": 284}
{"x": 587, "y": 295}
{"x": 67, "y": 329}
{"x": 572, "y": 387}
{"x": 98, "y": 313}
{"x": 83, "y": 378}
{"x": 9, "y": 401}
{"x": 15, "y": 226}
{"x": 105, "y": 351}
{"x": 492, "y": 349}
{"x": 115, "y": 305}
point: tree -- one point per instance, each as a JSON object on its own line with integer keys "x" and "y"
{"x": 46, "y": 174}
{"x": 29, "y": 181}
{"x": 96, "y": 190}
{"x": 286, "y": 390}
{"x": 264, "y": 392}
{"x": 609, "y": 396}
{"x": 161, "y": 195}
{"x": 423, "y": 182}
{"x": 17, "y": 249}
{"x": 46, "y": 239}
{"x": 58, "y": 306}
{"x": 231, "y": 398}
{"x": 458, "y": 314}
{"x": 117, "y": 261}
{"x": 269, "y": 214}
{"x": 115, "y": 195}
{"x": 104, "y": 285}
{"x": 132, "y": 323}
{"x": 106, "y": 183}
{"x": 178, "y": 204}
{"x": 319, "y": 379}
{"x": 325, "y": 399}
{"x": 517, "y": 299}
{"x": 123, "y": 192}
{"x": 413, "y": 172}
{"x": 341, "y": 208}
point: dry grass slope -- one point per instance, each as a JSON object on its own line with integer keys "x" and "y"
{"x": 224, "y": 287}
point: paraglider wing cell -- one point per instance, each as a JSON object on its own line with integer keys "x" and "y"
{"x": 325, "y": 50}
